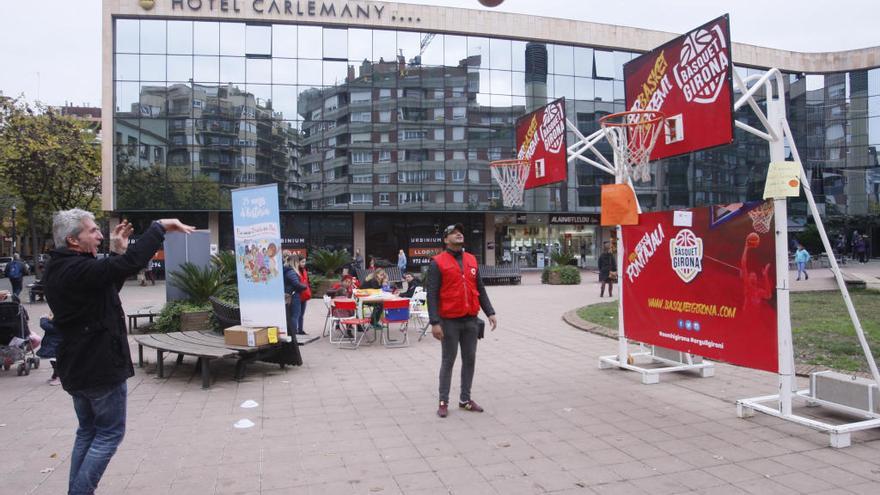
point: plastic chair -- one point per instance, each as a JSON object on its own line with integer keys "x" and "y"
{"x": 418, "y": 311}
{"x": 395, "y": 311}
{"x": 353, "y": 330}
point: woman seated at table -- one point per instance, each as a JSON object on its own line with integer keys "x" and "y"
{"x": 378, "y": 280}
{"x": 344, "y": 288}
{"x": 412, "y": 282}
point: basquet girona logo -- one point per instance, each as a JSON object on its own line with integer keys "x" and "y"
{"x": 553, "y": 127}
{"x": 702, "y": 68}
{"x": 686, "y": 253}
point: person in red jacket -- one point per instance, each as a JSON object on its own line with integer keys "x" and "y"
{"x": 304, "y": 296}
{"x": 455, "y": 296}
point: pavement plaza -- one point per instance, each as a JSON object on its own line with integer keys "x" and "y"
{"x": 363, "y": 422}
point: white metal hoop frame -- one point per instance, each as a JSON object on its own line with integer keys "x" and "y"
{"x": 633, "y": 135}
{"x": 511, "y": 176}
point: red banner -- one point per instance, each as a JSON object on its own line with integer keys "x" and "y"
{"x": 704, "y": 281}
{"x": 540, "y": 139}
{"x": 689, "y": 80}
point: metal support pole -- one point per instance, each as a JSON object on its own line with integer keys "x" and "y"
{"x": 776, "y": 116}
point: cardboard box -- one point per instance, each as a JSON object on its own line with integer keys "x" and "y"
{"x": 246, "y": 336}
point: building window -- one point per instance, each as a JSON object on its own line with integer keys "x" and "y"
{"x": 361, "y": 96}
{"x": 385, "y": 137}
{"x": 438, "y": 134}
{"x": 385, "y": 116}
{"x": 384, "y": 178}
{"x": 384, "y": 199}
{"x": 458, "y": 155}
{"x": 474, "y": 176}
{"x": 316, "y": 167}
{"x": 472, "y": 154}
{"x": 361, "y": 157}
{"x": 329, "y": 154}
{"x": 384, "y": 156}
{"x": 494, "y": 153}
{"x": 411, "y": 134}
{"x": 458, "y": 196}
{"x": 361, "y": 137}
{"x": 361, "y": 117}
{"x": 410, "y": 197}
{"x": 458, "y": 175}
{"x": 384, "y": 94}
{"x": 362, "y": 178}
{"x": 459, "y": 112}
{"x": 331, "y": 174}
{"x": 439, "y": 156}
{"x": 361, "y": 199}
{"x": 440, "y": 175}
{"x": 457, "y": 133}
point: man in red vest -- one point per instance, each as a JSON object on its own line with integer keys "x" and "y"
{"x": 455, "y": 296}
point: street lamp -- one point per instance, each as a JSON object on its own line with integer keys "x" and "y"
{"x": 14, "y": 209}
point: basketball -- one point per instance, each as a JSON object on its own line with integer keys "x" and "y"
{"x": 753, "y": 240}
{"x": 491, "y": 3}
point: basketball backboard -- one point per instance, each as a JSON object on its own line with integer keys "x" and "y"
{"x": 540, "y": 139}
{"x": 690, "y": 80}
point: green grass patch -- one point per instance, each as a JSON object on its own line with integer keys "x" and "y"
{"x": 822, "y": 331}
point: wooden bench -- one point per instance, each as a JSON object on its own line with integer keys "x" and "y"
{"x": 500, "y": 274}
{"x": 140, "y": 313}
{"x": 206, "y": 346}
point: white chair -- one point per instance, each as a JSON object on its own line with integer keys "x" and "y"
{"x": 418, "y": 310}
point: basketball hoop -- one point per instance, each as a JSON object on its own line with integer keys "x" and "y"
{"x": 761, "y": 216}
{"x": 633, "y": 135}
{"x": 511, "y": 175}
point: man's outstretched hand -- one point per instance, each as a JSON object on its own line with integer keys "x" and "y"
{"x": 119, "y": 237}
{"x": 175, "y": 225}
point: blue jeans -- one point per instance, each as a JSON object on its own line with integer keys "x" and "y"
{"x": 101, "y": 415}
{"x": 302, "y": 312}
{"x": 802, "y": 268}
{"x": 293, "y": 313}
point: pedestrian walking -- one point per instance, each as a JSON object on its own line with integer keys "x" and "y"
{"x": 358, "y": 260}
{"x": 15, "y": 271}
{"x": 455, "y": 296}
{"x": 607, "y": 270}
{"x": 801, "y": 257}
{"x": 401, "y": 262}
{"x": 94, "y": 360}
{"x": 859, "y": 248}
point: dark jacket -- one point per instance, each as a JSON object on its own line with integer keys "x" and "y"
{"x": 292, "y": 283}
{"x": 51, "y": 339}
{"x": 83, "y": 294}
{"x": 607, "y": 264}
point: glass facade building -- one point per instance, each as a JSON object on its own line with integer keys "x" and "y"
{"x": 377, "y": 136}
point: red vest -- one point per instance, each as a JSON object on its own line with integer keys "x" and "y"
{"x": 458, "y": 290}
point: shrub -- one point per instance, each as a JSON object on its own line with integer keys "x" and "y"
{"x": 169, "y": 318}
{"x": 562, "y": 258}
{"x": 568, "y": 275}
{"x": 196, "y": 282}
{"x": 228, "y": 294}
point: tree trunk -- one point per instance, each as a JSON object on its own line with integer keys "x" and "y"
{"x": 32, "y": 224}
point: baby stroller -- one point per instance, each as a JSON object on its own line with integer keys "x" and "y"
{"x": 15, "y": 345}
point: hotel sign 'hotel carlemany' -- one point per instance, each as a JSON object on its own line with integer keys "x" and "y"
{"x": 299, "y": 8}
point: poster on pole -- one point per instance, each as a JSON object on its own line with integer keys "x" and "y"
{"x": 540, "y": 139}
{"x": 709, "y": 288}
{"x": 258, "y": 257}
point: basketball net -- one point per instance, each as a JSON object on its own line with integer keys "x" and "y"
{"x": 761, "y": 216}
{"x": 632, "y": 136}
{"x": 511, "y": 176}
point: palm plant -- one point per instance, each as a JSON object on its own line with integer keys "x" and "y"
{"x": 329, "y": 262}
{"x": 562, "y": 258}
{"x": 196, "y": 282}
{"x": 224, "y": 261}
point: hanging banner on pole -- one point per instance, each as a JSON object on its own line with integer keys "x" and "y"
{"x": 540, "y": 139}
{"x": 258, "y": 257}
{"x": 708, "y": 289}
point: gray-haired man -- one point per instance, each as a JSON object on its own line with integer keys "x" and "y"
{"x": 94, "y": 359}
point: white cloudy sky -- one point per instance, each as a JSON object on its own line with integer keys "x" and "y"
{"x": 50, "y": 49}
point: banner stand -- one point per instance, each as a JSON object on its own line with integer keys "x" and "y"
{"x": 778, "y": 134}
{"x": 649, "y": 361}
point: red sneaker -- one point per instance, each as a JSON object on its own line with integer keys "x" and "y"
{"x": 470, "y": 406}
{"x": 443, "y": 410}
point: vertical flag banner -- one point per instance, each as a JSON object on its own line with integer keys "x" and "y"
{"x": 540, "y": 139}
{"x": 258, "y": 257}
{"x": 708, "y": 288}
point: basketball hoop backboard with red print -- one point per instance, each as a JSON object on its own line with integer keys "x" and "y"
{"x": 690, "y": 81}
{"x": 540, "y": 139}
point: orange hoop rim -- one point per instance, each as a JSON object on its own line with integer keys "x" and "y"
{"x": 653, "y": 117}
{"x": 508, "y": 163}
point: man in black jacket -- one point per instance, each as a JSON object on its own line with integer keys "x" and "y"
{"x": 94, "y": 360}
